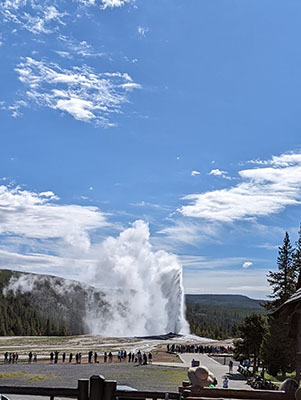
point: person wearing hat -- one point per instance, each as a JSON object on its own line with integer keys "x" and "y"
{"x": 201, "y": 377}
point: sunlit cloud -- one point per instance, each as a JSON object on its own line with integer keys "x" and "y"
{"x": 247, "y": 264}
{"x": 80, "y": 91}
{"x": 264, "y": 190}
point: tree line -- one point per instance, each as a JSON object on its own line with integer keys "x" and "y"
{"x": 18, "y": 317}
{"x": 264, "y": 338}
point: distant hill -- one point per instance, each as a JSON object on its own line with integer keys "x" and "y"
{"x": 218, "y": 315}
{"x": 33, "y": 304}
{"x": 224, "y": 300}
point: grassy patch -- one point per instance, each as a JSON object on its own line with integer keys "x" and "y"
{"x": 30, "y": 377}
{"x": 37, "y": 378}
{"x": 279, "y": 378}
{"x": 8, "y": 375}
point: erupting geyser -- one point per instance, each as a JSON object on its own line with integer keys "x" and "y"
{"x": 131, "y": 290}
{"x": 150, "y": 297}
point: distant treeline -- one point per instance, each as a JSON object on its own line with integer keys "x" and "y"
{"x": 218, "y": 316}
{"x": 19, "y": 317}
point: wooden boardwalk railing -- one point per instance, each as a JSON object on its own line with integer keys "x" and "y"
{"x": 98, "y": 388}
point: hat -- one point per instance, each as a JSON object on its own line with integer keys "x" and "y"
{"x": 200, "y": 376}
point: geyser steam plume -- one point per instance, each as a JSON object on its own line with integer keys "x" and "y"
{"x": 150, "y": 296}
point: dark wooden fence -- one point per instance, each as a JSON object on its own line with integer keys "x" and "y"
{"x": 98, "y": 388}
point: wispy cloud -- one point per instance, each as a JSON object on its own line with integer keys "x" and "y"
{"x": 263, "y": 191}
{"x": 77, "y": 48}
{"x": 195, "y": 173}
{"x": 115, "y": 3}
{"x": 235, "y": 281}
{"x": 105, "y": 3}
{"x": 247, "y": 264}
{"x": 218, "y": 172}
{"x": 32, "y": 15}
{"x": 189, "y": 232}
{"x": 37, "y": 215}
{"x": 142, "y": 30}
{"x": 80, "y": 91}
{"x": 203, "y": 262}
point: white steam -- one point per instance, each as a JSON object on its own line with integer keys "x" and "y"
{"x": 134, "y": 290}
{"x": 150, "y": 298}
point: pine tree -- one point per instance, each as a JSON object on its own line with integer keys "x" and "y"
{"x": 278, "y": 349}
{"x": 252, "y": 332}
{"x": 297, "y": 258}
{"x": 284, "y": 280}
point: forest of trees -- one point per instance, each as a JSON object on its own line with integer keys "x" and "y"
{"x": 217, "y": 321}
{"x": 18, "y": 317}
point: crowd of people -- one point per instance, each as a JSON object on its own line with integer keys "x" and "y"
{"x": 93, "y": 357}
{"x": 194, "y": 348}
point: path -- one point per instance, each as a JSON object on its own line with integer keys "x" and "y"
{"x": 236, "y": 380}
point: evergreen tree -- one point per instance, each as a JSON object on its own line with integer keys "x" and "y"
{"x": 278, "y": 351}
{"x": 252, "y": 332}
{"x": 283, "y": 281}
{"x": 297, "y": 258}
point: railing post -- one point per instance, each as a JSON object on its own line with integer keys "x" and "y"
{"x": 109, "y": 390}
{"x": 83, "y": 389}
{"x": 97, "y": 383}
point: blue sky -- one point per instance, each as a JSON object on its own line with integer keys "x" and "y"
{"x": 182, "y": 114}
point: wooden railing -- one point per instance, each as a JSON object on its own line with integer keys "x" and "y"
{"x": 80, "y": 393}
{"x": 220, "y": 393}
{"x": 98, "y": 388}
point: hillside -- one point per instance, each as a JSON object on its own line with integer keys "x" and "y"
{"x": 217, "y": 315}
{"x": 32, "y": 304}
{"x": 224, "y": 300}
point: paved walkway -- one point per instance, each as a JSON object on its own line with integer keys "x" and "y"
{"x": 236, "y": 380}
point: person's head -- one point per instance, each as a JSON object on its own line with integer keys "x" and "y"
{"x": 200, "y": 376}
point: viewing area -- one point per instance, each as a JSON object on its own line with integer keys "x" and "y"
{"x": 98, "y": 388}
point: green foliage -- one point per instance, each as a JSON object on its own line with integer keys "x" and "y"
{"x": 278, "y": 351}
{"x": 19, "y": 317}
{"x": 297, "y": 258}
{"x": 252, "y": 332}
{"x": 217, "y": 316}
{"x": 283, "y": 281}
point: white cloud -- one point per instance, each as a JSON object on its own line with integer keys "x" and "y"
{"x": 225, "y": 281}
{"x": 79, "y": 91}
{"x": 189, "y": 232}
{"x": 34, "y": 16}
{"x": 247, "y": 264}
{"x": 114, "y": 3}
{"x": 35, "y": 215}
{"x": 203, "y": 262}
{"x": 218, "y": 172}
{"x": 194, "y": 173}
{"x": 262, "y": 191}
{"x": 77, "y": 48}
{"x": 142, "y": 30}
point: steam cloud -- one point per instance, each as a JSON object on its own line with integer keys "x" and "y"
{"x": 151, "y": 297}
{"x": 136, "y": 291}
